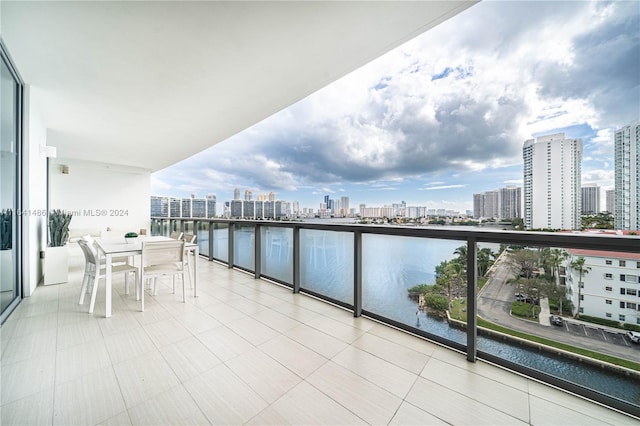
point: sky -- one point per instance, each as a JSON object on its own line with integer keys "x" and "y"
{"x": 445, "y": 115}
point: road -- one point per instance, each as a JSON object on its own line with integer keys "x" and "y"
{"x": 494, "y": 304}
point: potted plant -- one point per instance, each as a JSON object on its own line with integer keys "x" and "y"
{"x": 56, "y": 259}
{"x": 129, "y": 236}
{"x": 6, "y": 229}
{"x": 6, "y": 245}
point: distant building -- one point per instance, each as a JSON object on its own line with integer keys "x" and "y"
{"x": 510, "y": 202}
{"x": 611, "y": 287}
{"x": 610, "y": 200}
{"x": 236, "y": 194}
{"x": 590, "y": 199}
{"x": 191, "y": 207}
{"x": 175, "y": 207}
{"x": 627, "y": 177}
{"x": 159, "y": 206}
{"x": 248, "y": 195}
{"x": 503, "y": 203}
{"x": 344, "y": 206}
{"x": 235, "y": 208}
{"x": 552, "y": 173}
{"x": 211, "y": 205}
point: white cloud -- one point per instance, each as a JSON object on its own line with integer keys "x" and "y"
{"x": 462, "y": 98}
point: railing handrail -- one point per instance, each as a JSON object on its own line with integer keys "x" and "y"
{"x": 579, "y": 240}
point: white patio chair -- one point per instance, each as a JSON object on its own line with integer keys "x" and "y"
{"x": 161, "y": 258}
{"x": 94, "y": 270}
{"x": 189, "y": 238}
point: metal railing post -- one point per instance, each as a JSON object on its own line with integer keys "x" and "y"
{"x": 257, "y": 249}
{"x": 296, "y": 259}
{"x": 472, "y": 295}
{"x": 357, "y": 273}
{"x": 230, "y": 242}
{"x": 211, "y": 227}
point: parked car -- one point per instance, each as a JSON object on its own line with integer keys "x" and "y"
{"x": 556, "y": 320}
{"x": 634, "y": 336}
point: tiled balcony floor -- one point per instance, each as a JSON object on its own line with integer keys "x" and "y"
{"x": 246, "y": 351}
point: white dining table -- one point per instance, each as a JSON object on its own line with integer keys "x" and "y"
{"x": 117, "y": 247}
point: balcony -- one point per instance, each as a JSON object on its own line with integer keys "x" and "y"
{"x": 249, "y": 351}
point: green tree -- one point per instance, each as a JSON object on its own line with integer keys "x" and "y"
{"x": 524, "y": 262}
{"x": 485, "y": 260}
{"x": 578, "y": 265}
{"x": 453, "y": 278}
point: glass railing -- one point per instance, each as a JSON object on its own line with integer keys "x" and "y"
{"x": 515, "y": 301}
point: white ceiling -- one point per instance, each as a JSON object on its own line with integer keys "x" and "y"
{"x": 148, "y": 84}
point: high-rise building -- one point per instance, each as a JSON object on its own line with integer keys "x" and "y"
{"x": 235, "y": 208}
{"x": 248, "y": 195}
{"x": 552, "y": 172}
{"x": 344, "y": 206}
{"x": 272, "y": 196}
{"x": 627, "y": 179}
{"x": 503, "y": 203}
{"x": 211, "y": 205}
{"x": 590, "y": 199}
{"x": 510, "y": 202}
{"x": 609, "y": 200}
{"x": 236, "y": 194}
{"x": 159, "y": 206}
{"x": 175, "y": 209}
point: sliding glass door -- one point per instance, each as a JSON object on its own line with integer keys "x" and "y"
{"x": 10, "y": 157}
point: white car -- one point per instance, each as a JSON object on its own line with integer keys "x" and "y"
{"x": 634, "y": 336}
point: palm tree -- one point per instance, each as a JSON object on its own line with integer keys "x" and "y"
{"x": 462, "y": 255}
{"x": 578, "y": 265}
{"x": 484, "y": 260}
{"x": 556, "y": 257}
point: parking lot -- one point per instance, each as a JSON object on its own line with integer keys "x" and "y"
{"x": 597, "y": 333}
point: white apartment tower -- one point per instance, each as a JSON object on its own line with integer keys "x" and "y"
{"x": 509, "y": 201}
{"x": 590, "y": 199}
{"x": 610, "y": 196}
{"x": 552, "y": 195}
{"x": 627, "y": 184}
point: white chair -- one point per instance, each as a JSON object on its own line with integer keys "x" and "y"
{"x": 176, "y": 235}
{"x": 189, "y": 238}
{"x": 161, "y": 258}
{"x": 92, "y": 244}
{"x": 94, "y": 270}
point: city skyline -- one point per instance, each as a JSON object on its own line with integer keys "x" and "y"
{"x": 445, "y": 115}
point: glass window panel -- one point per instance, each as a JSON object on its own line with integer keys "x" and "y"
{"x": 9, "y": 247}
{"x": 392, "y": 265}
{"x": 277, "y": 253}
{"x": 326, "y": 263}
{"x": 202, "y": 236}
{"x": 243, "y": 246}
{"x": 221, "y": 242}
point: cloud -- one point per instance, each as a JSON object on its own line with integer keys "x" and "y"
{"x": 459, "y": 99}
{"x": 432, "y": 188}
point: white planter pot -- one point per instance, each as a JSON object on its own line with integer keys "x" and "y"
{"x": 56, "y": 265}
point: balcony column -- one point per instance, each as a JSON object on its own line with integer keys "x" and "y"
{"x": 472, "y": 294}
{"x": 357, "y": 273}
